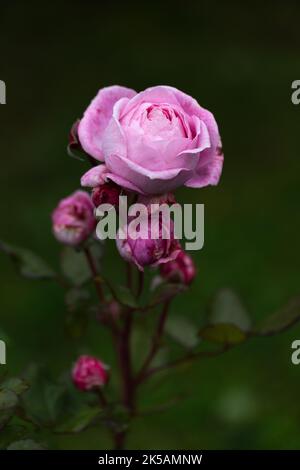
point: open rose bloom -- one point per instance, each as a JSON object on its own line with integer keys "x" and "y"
{"x": 151, "y": 142}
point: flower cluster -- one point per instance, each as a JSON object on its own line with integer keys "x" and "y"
{"x": 147, "y": 144}
{"x": 144, "y": 145}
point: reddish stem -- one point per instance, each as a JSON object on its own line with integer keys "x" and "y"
{"x": 155, "y": 343}
{"x": 95, "y": 273}
{"x": 125, "y": 362}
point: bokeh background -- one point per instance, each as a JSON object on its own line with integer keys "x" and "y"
{"x": 239, "y": 62}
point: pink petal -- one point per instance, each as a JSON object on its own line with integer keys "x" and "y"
{"x": 94, "y": 177}
{"x": 97, "y": 116}
{"x": 207, "y": 174}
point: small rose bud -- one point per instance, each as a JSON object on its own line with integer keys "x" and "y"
{"x": 146, "y": 251}
{"x": 89, "y": 373}
{"x": 107, "y": 193}
{"x": 182, "y": 269}
{"x": 73, "y": 219}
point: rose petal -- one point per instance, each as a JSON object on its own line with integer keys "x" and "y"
{"x": 94, "y": 177}
{"x": 97, "y": 116}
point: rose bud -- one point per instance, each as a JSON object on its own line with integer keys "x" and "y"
{"x": 142, "y": 250}
{"x": 182, "y": 269}
{"x": 107, "y": 193}
{"x": 73, "y": 219}
{"x": 89, "y": 373}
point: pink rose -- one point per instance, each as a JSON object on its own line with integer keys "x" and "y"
{"x": 73, "y": 219}
{"x": 89, "y": 373}
{"x": 153, "y": 141}
{"x": 182, "y": 269}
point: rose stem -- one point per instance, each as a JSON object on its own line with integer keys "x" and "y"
{"x": 155, "y": 342}
{"x": 95, "y": 273}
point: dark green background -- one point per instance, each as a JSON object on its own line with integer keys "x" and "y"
{"x": 237, "y": 61}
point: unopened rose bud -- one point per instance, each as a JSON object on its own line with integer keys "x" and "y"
{"x": 182, "y": 269}
{"x": 89, "y": 373}
{"x": 146, "y": 251}
{"x": 108, "y": 193}
{"x": 73, "y": 219}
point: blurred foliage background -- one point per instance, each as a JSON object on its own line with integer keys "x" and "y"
{"x": 239, "y": 62}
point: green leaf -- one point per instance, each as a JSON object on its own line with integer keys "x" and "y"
{"x": 54, "y": 399}
{"x": 80, "y": 421}
{"x": 124, "y": 296}
{"x": 74, "y": 263}
{"x": 16, "y": 385}
{"x": 117, "y": 417}
{"x": 27, "y": 263}
{"x": 5, "y": 417}
{"x": 227, "y": 308}
{"x": 13, "y": 432}
{"x": 8, "y": 399}
{"x": 9, "y": 392}
{"x": 25, "y": 444}
{"x": 286, "y": 317}
{"x": 45, "y": 401}
{"x": 223, "y": 333}
{"x": 74, "y": 266}
{"x": 182, "y": 331}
